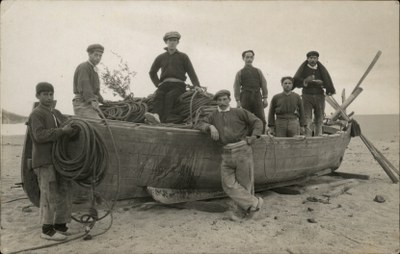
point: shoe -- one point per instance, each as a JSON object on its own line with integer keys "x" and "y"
{"x": 68, "y": 232}
{"x": 152, "y": 118}
{"x": 252, "y": 213}
{"x": 56, "y": 237}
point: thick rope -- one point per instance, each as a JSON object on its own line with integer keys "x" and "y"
{"x": 93, "y": 156}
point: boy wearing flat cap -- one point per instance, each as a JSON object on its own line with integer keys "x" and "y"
{"x": 249, "y": 84}
{"x": 170, "y": 85}
{"x": 313, "y": 78}
{"x": 87, "y": 84}
{"x": 236, "y": 129}
{"x": 55, "y": 197}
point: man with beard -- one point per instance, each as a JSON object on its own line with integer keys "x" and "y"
{"x": 313, "y": 77}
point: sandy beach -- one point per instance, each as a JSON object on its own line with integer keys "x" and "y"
{"x": 345, "y": 218}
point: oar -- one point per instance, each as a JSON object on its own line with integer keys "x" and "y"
{"x": 371, "y": 65}
{"x": 379, "y": 157}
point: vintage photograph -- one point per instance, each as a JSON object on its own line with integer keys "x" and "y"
{"x": 199, "y": 127}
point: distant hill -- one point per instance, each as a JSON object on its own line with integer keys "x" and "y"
{"x": 11, "y": 118}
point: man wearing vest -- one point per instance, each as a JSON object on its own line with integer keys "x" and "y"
{"x": 248, "y": 83}
{"x": 312, "y": 76}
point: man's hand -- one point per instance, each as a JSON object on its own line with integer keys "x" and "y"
{"x": 265, "y": 102}
{"x": 308, "y": 79}
{"x": 250, "y": 140}
{"x": 302, "y": 130}
{"x": 214, "y": 132}
{"x": 67, "y": 129}
{"x": 238, "y": 104}
{"x": 198, "y": 89}
{"x": 271, "y": 130}
{"x": 318, "y": 82}
{"x": 95, "y": 104}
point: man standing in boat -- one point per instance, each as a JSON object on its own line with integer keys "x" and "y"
{"x": 288, "y": 109}
{"x": 248, "y": 83}
{"x": 312, "y": 76}
{"x": 87, "y": 84}
{"x": 171, "y": 84}
{"x": 231, "y": 127}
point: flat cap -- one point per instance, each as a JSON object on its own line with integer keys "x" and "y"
{"x": 172, "y": 34}
{"x": 312, "y": 53}
{"x": 221, "y": 93}
{"x": 95, "y": 47}
{"x": 44, "y": 87}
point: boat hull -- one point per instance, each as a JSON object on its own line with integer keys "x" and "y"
{"x": 186, "y": 159}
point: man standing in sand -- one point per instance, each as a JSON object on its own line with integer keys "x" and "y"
{"x": 248, "y": 83}
{"x": 87, "y": 84}
{"x": 312, "y": 76}
{"x": 230, "y": 127}
{"x": 55, "y": 197}
{"x": 171, "y": 84}
{"x": 288, "y": 109}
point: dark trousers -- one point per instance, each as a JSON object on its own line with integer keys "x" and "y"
{"x": 166, "y": 97}
{"x": 316, "y": 103}
{"x": 252, "y": 101}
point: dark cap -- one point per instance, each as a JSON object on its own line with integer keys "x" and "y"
{"x": 247, "y": 51}
{"x": 312, "y": 53}
{"x": 172, "y": 34}
{"x": 95, "y": 47}
{"x": 221, "y": 93}
{"x": 44, "y": 87}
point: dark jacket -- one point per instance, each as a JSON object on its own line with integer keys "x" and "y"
{"x": 44, "y": 131}
{"x": 326, "y": 78}
{"x": 87, "y": 83}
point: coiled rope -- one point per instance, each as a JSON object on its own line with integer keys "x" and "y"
{"x": 91, "y": 162}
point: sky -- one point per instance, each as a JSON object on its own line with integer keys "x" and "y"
{"x": 47, "y": 40}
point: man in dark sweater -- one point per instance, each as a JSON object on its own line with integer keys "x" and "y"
{"x": 174, "y": 65}
{"x": 249, "y": 81}
{"x": 87, "y": 84}
{"x": 288, "y": 108}
{"x": 236, "y": 129}
{"x": 55, "y": 197}
{"x": 313, "y": 77}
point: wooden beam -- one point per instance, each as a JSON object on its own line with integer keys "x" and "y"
{"x": 346, "y": 103}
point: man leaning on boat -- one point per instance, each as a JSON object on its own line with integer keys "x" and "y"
{"x": 230, "y": 127}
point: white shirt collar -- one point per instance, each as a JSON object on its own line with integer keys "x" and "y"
{"x": 313, "y": 67}
{"x": 226, "y": 110}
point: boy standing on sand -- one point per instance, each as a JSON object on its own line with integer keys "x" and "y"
{"x": 55, "y": 197}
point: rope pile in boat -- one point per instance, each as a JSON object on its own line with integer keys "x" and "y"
{"x": 131, "y": 110}
{"x": 86, "y": 166}
{"x": 190, "y": 107}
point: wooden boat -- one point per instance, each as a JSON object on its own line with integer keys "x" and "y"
{"x": 176, "y": 164}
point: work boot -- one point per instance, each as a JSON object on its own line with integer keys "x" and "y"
{"x": 152, "y": 118}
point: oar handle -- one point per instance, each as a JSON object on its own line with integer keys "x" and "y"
{"x": 371, "y": 65}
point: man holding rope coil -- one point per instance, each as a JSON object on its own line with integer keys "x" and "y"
{"x": 55, "y": 197}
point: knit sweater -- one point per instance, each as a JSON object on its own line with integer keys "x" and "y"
{"x": 87, "y": 83}
{"x": 243, "y": 81}
{"x": 233, "y": 125}
{"x": 287, "y": 106}
{"x": 304, "y": 71}
{"x": 174, "y": 65}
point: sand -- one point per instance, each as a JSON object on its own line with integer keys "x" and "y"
{"x": 346, "y": 218}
